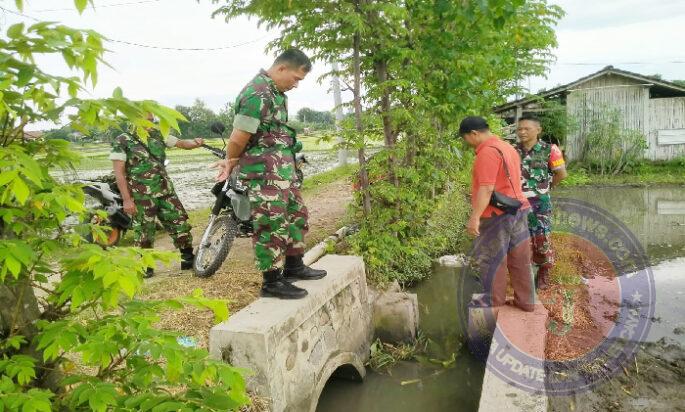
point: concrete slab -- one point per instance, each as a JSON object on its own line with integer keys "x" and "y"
{"x": 396, "y": 317}
{"x": 294, "y": 346}
{"x": 515, "y": 376}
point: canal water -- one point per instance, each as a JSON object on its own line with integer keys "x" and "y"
{"x": 655, "y": 215}
{"x": 411, "y": 386}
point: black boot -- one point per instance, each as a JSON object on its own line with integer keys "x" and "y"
{"x": 275, "y": 286}
{"x": 296, "y": 269}
{"x": 187, "y": 258}
{"x": 149, "y": 272}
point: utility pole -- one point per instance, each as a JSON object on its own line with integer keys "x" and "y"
{"x": 342, "y": 152}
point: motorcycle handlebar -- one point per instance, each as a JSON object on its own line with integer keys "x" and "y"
{"x": 216, "y": 152}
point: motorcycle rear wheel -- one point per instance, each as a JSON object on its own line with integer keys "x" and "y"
{"x": 215, "y": 244}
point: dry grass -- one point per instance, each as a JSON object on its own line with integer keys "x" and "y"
{"x": 238, "y": 281}
{"x": 572, "y": 330}
{"x": 240, "y": 285}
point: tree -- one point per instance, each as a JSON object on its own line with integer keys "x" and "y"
{"x": 422, "y": 66}
{"x": 65, "y": 301}
{"x": 200, "y": 118}
{"x": 307, "y": 115}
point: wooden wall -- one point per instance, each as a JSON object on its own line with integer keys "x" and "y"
{"x": 665, "y": 114}
{"x": 587, "y": 101}
{"x": 639, "y": 112}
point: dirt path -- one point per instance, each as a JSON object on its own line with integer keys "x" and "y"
{"x": 238, "y": 280}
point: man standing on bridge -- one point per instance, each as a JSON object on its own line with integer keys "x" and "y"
{"x": 263, "y": 146}
{"x": 542, "y": 168}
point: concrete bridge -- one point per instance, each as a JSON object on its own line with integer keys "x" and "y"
{"x": 294, "y": 347}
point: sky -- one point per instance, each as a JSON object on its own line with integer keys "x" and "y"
{"x": 644, "y": 36}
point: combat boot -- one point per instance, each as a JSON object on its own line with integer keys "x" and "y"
{"x": 187, "y": 258}
{"x": 542, "y": 280}
{"x": 296, "y": 269}
{"x": 276, "y": 286}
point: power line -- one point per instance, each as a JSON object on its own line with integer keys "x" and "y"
{"x": 16, "y": 13}
{"x": 132, "y": 3}
{"x": 623, "y": 63}
{"x": 149, "y": 46}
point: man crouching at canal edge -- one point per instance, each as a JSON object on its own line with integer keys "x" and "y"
{"x": 263, "y": 147}
{"x": 499, "y": 216}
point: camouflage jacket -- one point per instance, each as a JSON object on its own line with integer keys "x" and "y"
{"x": 142, "y": 168}
{"x": 537, "y": 166}
{"x": 262, "y": 110}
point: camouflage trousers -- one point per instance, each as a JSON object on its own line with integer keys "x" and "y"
{"x": 166, "y": 207}
{"x": 279, "y": 219}
{"x": 540, "y": 227}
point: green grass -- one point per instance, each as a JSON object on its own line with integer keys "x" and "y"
{"x": 644, "y": 174}
{"x": 311, "y": 183}
{"x": 96, "y": 155}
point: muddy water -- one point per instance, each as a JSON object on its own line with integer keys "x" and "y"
{"x": 656, "y": 216}
{"x": 412, "y": 386}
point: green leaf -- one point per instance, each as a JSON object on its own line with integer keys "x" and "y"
{"x": 15, "y": 30}
{"x": 168, "y": 407}
{"x": 13, "y": 265}
{"x": 81, "y": 5}
{"x": 24, "y": 76}
{"x": 6, "y": 177}
{"x": 127, "y": 286}
{"x": 20, "y": 190}
{"x": 15, "y": 342}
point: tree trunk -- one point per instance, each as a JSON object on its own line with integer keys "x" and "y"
{"x": 363, "y": 174}
{"x": 19, "y": 312}
{"x": 390, "y": 137}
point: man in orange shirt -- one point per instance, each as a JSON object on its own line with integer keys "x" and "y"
{"x": 502, "y": 239}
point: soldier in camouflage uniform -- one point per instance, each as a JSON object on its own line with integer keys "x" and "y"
{"x": 264, "y": 147}
{"x": 148, "y": 193}
{"x": 542, "y": 167}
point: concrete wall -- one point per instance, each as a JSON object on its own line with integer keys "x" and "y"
{"x": 294, "y": 347}
{"x": 515, "y": 375}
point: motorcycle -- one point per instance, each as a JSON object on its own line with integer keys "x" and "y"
{"x": 230, "y": 216}
{"x": 102, "y": 194}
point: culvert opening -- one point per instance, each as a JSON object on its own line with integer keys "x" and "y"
{"x": 339, "y": 382}
{"x": 346, "y": 372}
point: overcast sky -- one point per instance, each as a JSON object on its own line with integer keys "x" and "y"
{"x": 644, "y": 36}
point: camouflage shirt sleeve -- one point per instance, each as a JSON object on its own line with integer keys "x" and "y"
{"x": 118, "y": 148}
{"x": 171, "y": 140}
{"x": 249, "y": 109}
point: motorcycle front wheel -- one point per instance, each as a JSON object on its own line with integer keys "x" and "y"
{"x": 215, "y": 244}
{"x": 112, "y": 236}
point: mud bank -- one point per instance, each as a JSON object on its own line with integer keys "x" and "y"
{"x": 597, "y": 373}
{"x": 653, "y": 380}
